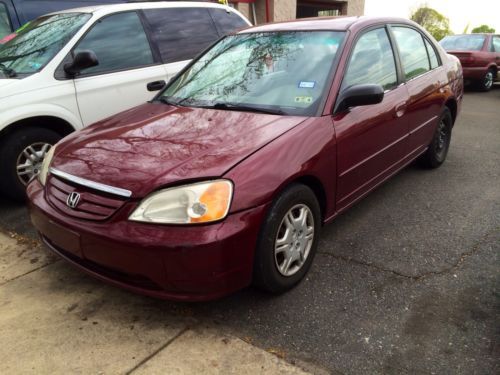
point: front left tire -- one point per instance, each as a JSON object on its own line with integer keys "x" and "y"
{"x": 288, "y": 240}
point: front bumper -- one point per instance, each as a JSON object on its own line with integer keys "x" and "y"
{"x": 188, "y": 263}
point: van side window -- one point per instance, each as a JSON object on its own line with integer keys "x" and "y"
{"x": 226, "y": 22}
{"x": 372, "y": 61}
{"x": 119, "y": 42}
{"x": 5, "y": 28}
{"x": 412, "y": 50}
{"x": 181, "y": 33}
{"x": 432, "y": 55}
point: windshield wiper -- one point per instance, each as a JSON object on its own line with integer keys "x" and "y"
{"x": 245, "y": 108}
{"x": 8, "y": 71}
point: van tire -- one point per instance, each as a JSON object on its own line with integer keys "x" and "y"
{"x": 11, "y": 147}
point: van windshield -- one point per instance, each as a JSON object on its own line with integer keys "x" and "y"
{"x": 271, "y": 72}
{"x": 38, "y": 42}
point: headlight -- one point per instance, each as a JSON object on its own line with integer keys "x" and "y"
{"x": 197, "y": 203}
{"x": 44, "y": 170}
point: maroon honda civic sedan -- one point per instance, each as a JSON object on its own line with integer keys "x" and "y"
{"x": 227, "y": 176}
{"x": 479, "y": 55}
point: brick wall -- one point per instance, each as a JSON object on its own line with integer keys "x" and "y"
{"x": 284, "y": 10}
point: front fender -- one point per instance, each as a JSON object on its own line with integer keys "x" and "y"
{"x": 306, "y": 150}
{"x": 22, "y": 112}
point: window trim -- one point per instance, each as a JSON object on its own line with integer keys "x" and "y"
{"x": 60, "y": 74}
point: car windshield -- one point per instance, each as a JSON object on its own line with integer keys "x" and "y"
{"x": 463, "y": 42}
{"x": 38, "y": 42}
{"x": 274, "y": 72}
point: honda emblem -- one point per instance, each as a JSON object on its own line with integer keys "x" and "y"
{"x": 73, "y": 199}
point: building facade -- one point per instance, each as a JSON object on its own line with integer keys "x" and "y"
{"x": 284, "y": 10}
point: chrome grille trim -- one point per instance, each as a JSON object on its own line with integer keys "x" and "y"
{"x": 91, "y": 184}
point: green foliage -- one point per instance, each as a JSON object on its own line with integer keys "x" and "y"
{"x": 482, "y": 29}
{"x": 431, "y": 20}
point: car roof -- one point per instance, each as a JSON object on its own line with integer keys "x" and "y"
{"x": 113, "y": 8}
{"x": 340, "y": 23}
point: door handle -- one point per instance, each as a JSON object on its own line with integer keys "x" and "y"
{"x": 400, "y": 109}
{"x": 156, "y": 85}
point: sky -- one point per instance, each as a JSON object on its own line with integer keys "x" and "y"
{"x": 459, "y": 12}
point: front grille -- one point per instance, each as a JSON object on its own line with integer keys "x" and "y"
{"x": 93, "y": 205}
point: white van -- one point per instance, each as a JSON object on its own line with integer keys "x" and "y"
{"x": 69, "y": 69}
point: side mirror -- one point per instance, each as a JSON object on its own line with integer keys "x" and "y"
{"x": 359, "y": 95}
{"x": 82, "y": 60}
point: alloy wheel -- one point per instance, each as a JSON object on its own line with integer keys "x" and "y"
{"x": 294, "y": 240}
{"x": 29, "y": 161}
{"x": 488, "y": 80}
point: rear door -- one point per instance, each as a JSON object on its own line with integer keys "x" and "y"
{"x": 126, "y": 65}
{"x": 426, "y": 82}
{"x": 180, "y": 34}
{"x": 371, "y": 140}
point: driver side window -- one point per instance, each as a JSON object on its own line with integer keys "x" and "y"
{"x": 372, "y": 61}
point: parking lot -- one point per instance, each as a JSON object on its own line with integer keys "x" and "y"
{"x": 404, "y": 282}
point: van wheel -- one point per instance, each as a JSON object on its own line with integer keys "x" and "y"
{"x": 22, "y": 153}
{"x": 288, "y": 240}
{"x": 438, "y": 149}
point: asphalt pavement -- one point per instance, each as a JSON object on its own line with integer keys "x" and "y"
{"x": 406, "y": 281}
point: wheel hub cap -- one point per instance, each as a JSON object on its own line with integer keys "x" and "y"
{"x": 294, "y": 240}
{"x": 488, "y": 80}
{"x": 29, "y": 161}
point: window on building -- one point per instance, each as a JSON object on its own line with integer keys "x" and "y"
{"x": 372, "y": 61}
{"x": 119, "y": 42}
{"x": 181, "y": 33}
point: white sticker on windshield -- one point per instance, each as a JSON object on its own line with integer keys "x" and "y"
{"x": 307, "y": 84}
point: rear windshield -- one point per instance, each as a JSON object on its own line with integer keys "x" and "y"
{"x": 463, "y": 42}
{"x": 285, "y": 72}
{"x": 38, "y": 42}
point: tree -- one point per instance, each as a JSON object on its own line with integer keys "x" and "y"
{"x": 482, "y": 29}
{"x": 433, "y": 21}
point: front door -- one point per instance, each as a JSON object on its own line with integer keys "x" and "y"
{"x": 126, "y": 66}
{"x": 371, "y": 140}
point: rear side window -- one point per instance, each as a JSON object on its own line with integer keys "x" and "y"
{"x": 496, "y": 43}
{"x": 226, "y": 22}
{"x": 372, "y": 61}
{"x": 119, "y": 42}
{"x": 181, "y": 33}
{"x": 5, "y": 27}
{"x": 412, "y": 50}
{"x": 432, "y": 55}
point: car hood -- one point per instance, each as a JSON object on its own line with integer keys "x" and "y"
{"x": 155, "y": 144}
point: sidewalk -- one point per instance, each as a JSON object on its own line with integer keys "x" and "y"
{"x": 54, "y": 319}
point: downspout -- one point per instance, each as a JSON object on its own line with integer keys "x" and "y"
{"x": 268, "y": 18}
